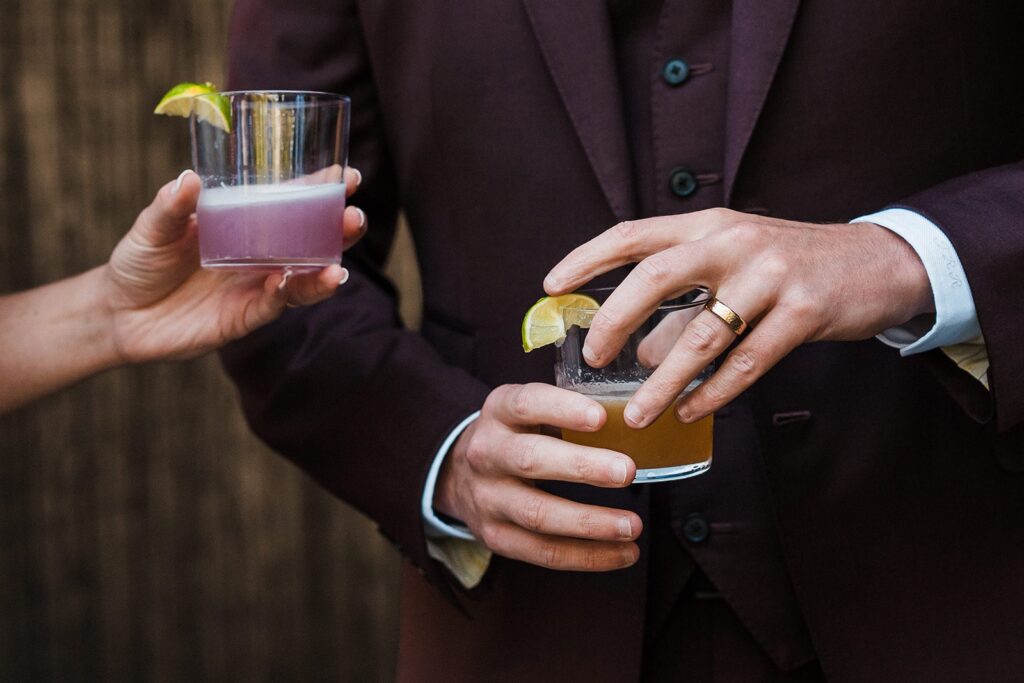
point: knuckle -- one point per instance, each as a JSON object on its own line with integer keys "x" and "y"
{"x": 477, "y": 452}
{"x": 496, "y": 398}
{"x": 484, "y": 502}
{"x": 744, "y": 362}
{"x": 750, "y": 229}
{"x": 774, "y": 266}
{"x": 586, "y": 525}
{"x": 714, "y": 391}
{"x": 607, "y": 320}
{"x": 592, "y": 560}
{"x": 583, "y": 467}
{"x": 801, "y": 305}
{"x": 660, "y": 386}
{"x": 654, "y": 271}
{"x": 519, "y": 403}
{"x": 526, "y": 460}
{"x": 549, "y": 556}
{"x": 746, "y": 235}
{"x": 632, "y": 233}
{"x": 490, "y": 534}
{"x": 720, "y": 215}
{"x": 531, "y": 516}
{"x": 699, "y": 337}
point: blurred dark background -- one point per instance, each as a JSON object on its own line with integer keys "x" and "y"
{"x": 144, "y": 533}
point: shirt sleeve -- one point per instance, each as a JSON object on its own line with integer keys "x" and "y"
{"x": 954, "y": 327}
{"x": 453, "y": 545}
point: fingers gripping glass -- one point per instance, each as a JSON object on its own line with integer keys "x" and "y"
{"x": 272, "y": 166}
{"x": 667, "y": 449}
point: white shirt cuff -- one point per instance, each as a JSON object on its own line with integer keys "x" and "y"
{"x": 435, "y": 526}
{"x": 956, "y": 318}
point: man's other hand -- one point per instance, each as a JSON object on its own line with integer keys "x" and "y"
{"x": 488, "y": 482}
{"x": 792, "y": 282}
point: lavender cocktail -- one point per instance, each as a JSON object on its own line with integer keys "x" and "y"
{"x": 272, "y": 168}
{"x": 288, "y": 226}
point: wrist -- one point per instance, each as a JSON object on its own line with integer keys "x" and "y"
{"x": 446, "y": 493}
{"x": 909, "y": 276}
{"x": 98, "y": 329}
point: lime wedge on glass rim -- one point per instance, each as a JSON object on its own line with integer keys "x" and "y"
{"x": 548, "y": 319}
{"x": 180, "y": 101}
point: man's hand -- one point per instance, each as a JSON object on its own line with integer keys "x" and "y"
{"x": 792, "y": 282}
{"x": 487, "y": 481}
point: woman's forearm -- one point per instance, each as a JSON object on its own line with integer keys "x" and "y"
{"x": 53, "y": 336}
{"x": 151, "y": 301}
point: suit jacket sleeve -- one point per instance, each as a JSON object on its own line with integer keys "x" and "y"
{"x": 983, "y": 216}
{"x": 342, "y": 389}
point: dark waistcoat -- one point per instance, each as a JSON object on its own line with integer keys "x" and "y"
{"x": 673, "y": 70}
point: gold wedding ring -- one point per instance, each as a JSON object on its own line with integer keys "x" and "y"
{"x": 730, "y": 317}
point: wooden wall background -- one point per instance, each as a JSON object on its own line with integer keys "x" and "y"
{"x": 144, "y": 533}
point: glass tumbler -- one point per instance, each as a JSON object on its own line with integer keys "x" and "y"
{"x": 666, "y": 449}
{"x": 272, "y": 167}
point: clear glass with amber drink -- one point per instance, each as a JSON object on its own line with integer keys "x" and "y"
{"x": 667, "y": 449}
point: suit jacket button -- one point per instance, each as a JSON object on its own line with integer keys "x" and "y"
{"x": 696, "y": 528}
{"x": 682, "y": 183}
{"x": 675, "y": 72}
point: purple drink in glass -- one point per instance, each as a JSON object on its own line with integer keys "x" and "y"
{"x": 273, "y": 169}
{"x": 271, "y": 226}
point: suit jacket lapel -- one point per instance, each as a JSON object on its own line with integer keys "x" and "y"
{"x": 760, "y": 30}
{"x": 576, "y": 41}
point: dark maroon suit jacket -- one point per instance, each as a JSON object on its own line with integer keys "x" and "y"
{"x": 497, "y": 127}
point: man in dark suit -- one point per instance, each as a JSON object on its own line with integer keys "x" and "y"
{"x": 864, "y": 518}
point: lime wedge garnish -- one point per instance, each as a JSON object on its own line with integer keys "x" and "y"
{"x": 548, "y": 319}
{"x": 182, "y": 99}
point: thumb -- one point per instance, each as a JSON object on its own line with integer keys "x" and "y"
{"x": 167, "y": 218}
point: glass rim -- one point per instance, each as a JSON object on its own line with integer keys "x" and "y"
{"x": 295, "y": 93}
{"x": 701, "y": 300}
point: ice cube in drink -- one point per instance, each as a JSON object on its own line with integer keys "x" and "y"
{"x": 271, "y": 226}
{"x": 667, "y": 448}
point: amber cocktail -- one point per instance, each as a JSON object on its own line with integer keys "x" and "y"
{"x": 666, "y": 449}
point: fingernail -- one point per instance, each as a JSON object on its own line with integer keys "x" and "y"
{"x": 550, "y": 283}
{"x": 625, "y": 528}
{"x": 344, "y": 277}
{"x": 593, "y": 416}
{"x": 362, "y": 217}
{"x": 284, "y": 280}
{"x": 359, "y": 176}
{"x": 589, "y": 355}
{"x": 180, "y": 181}
{"x": 619, "y": 473}
{"x": 685, "y": 415}
{"x": 633, "y": 415}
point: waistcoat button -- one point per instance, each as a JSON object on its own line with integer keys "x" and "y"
{"x": 696, "y": 528}
{"x": 676, "y": 72}
{"x": 682, "y": 183}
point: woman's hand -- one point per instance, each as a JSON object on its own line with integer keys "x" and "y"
{"x": 162, "y": 305}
